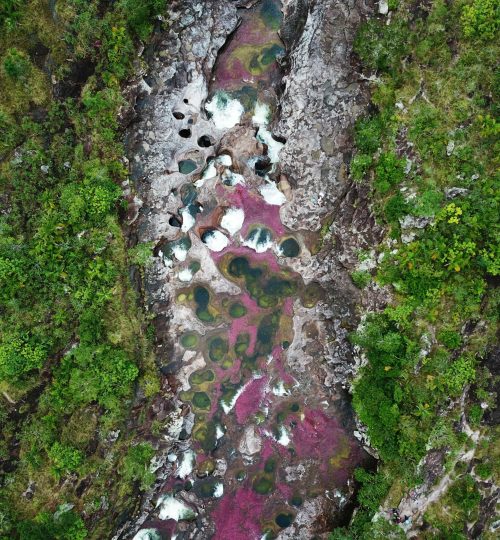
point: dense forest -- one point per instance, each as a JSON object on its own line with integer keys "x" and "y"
{"x": 77, "y": 367}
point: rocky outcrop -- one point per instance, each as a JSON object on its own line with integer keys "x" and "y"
{"x": 301, "y": 170}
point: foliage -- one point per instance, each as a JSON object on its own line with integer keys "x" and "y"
{"x": 430, "y": 147}
{"x": 63, "y": 525}
{"x": 73, "y": 344}
{"x": 65, "y": 459}
{"x": 481, "y": 19}
{"x": 16, "y": 64}
{"x": 136, "y": 465}
{"x": 361, "y": 278}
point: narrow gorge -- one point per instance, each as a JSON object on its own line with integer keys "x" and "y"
{"x": 238, "y": 161}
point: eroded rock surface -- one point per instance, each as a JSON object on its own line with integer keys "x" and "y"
{"x": 252, "y": 304}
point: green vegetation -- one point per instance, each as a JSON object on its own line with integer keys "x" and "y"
{"x": 73, "y": 343}
{"x": 432, "y": 128}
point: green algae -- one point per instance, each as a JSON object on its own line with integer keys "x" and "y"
{"x": 189, "y": 340}
{"x": 289, "y": 248}
{"x": 187, "y": 166}
{"x": 237, "y": 310}
{"x": 188, "y": 193}
{"x": 284, "y": 520}
{"x": 205, "y": 434}
{"x": 271, "y": 14}
{"x": 312, "y": 294}
{"x": 217, "y": 349}
{"x": 201, "y": 400}
{"x": 295, "y": 407}
{"x": 242, "y": 343}
{"x": 263, "y": 484}
{"x": 202, "y": 299}
{"x": 206, "y": 488}
{"x": 270, "y": 465}
{"x": 201, "y": 377}
{"x": 269, "y": 291}
{"x": 206, "y": 468}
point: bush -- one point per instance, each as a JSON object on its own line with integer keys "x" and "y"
{"x": 136, "y": 465}
{"x": 16, "y": 65}
{"x": 374, "y": 487}
{"x": 361, "y": 278}
{"x": 139, "y": 15}
{"x": 450, "y": 339}
{"x": 395, "y": 208}
{"x": 19, "y": 355}
{"x": 9, "y": 13}
{"x": 63, "y": 525}
{"x": 360, "y": 165}
{"x": 64, "y": 458}
{"x": 481, "y": 19}
{"x": 389, "y": 172}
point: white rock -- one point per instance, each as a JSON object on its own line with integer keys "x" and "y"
{"x": 219, "y": 490}
{"x": 258, "y": 240}
{"x": 171, "y": 508}
{"x": 226, "y": 112}
{"x": 250, "y": 443}
{"x": 215, "y": 240}
{"x": 261, "y": 114}
{"x": 273, "y": 146}
{"x": 147, "y": 534}
{"x": 180, "y": 252}
{"x": 233, "y": 220}
{"x": 188, "y": 220}
{"x": 284, "y": 438}
{"x": 271, "y": 194}
{"x": 383, "y": 7}
{"x": 231, "y": 178}
{"x": 185, "y": 275}
{"x": 187, "y": 464}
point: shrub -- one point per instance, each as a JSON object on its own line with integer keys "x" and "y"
{"x": 360, "y": 164}
{"x": 389, "y": 172}
{"x": 16, "y": 65}
{"x": 460, "y": 373}
{"x": 64, "y": 458}
{"x": 382, "y": 46}
{"x": 481, "y": 19}
{"x": 19, "y": 355}
{"x": 368, "y": 134}
{"x": 361, "y": 278}
{"x": 136, "y": 465}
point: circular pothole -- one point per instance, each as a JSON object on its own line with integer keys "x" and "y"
{"x": 205, "y": 141}
{"x": 185, "y": 133}
{"x": 178, "y": 115}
